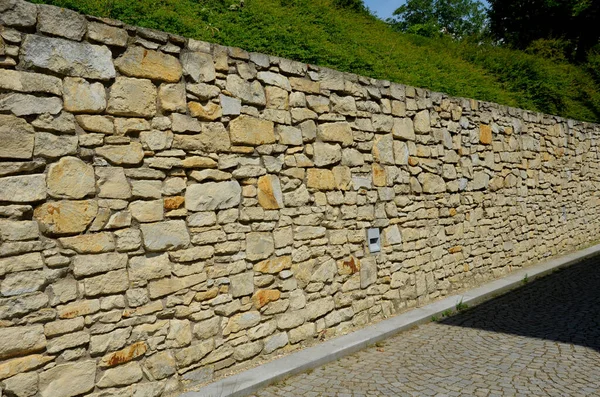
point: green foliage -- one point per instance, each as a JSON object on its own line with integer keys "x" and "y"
{"x": 325, "y": 33}
{"x": 433, "y": 18}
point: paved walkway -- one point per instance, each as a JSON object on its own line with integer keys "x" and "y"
{"x": 541, "y": 340}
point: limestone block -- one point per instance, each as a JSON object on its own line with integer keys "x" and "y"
{"x": 82, "y": 97}
{"x": 171, "y": 97}
{"x": 242, "y": 284}
{"x": 22, "y": 283}
{"x": 23, "y": 189}
{"x": 79, "y": 308}
{"x": 305, "y": 85}
{"x": 167, "y": 286}
{"x": 247, "y": 130}
{"x": 15, "y": 80}
{"x": 112, "y": 183}
{"x": 131, "y": 154}
{"x": 17, "y": 138}
{"x": 383, "y": 149}
{"x": 198, "y": 66}
{"x": 259, "y": 246}
{"x": 319, "y": 308}
{"x": 145, "y": 268}
{"x": 165, "y": 236}
{"x": 18, "y": 230}
{"x": 124, "y": 355}
{"x": 25, "y": 105}
{"x": 320, "y": 179}
{"x": 101, "y": 124}
{"x": 88, "y": 265}
{"x": 289, "y": 135}
{"x": 432, "y": 183}
{"x": 75, "y": 339}
{"x": 156, "y": 140}
{"x": 231, "y": 106}
{"x": 326, "y": 154}
{"x": 147, "y": 211}
{"x": 70, "y": 178}
{"x": 19, "y": 341}
{"x": 18, "y": 13}
{"x": 107, "y": 34}
{"x": 68, "y": 380}
{"x": 213, "y": 195}
{"x": 325, "y": 272}
{"x": 348, "y": 266}
{"x": 132, "y": 97}
{"x": 265, "y": 296}
{"x": 193, "y": 354}
{"x": 392, "y": 235}
{"x": 275, "y": 265}
{"x": 210, "y": 112}
{"x": 53, "y": 146}
{"x": 485, "y": 134}
{"x": 58, "y": 21}
{"x": 123, "y": 375}
{"x": 214, "y": 138}
{"x": 65, "y": 217}
{"x": 67, "y": 57}
{"x": 345, "y": 105}
{"x": 109, "y": 341}
{"x": 422, "y": 122}
{"x": 242, "y": 321}
{"x": 368, "y": 272}
{"x": 401, "y": 153}
{"x": 31, "y": 261}
{"x": 382, "y": 122}
{"x": 269, "y": 192}
{"x": 148, "y": 64}
{"x": 275, "y": 342}
{"x": 275, "y": 79}
{"x": 247, "y": 350}
{"x": 250, "y": 93}
{"x": 336, "y": 132}
{"x": 10, "y": 368}
{"x": 303, "y": 332}
{"x": 161, "y": 365}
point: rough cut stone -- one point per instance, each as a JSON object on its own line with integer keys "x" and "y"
{"x": 63, "y": 122}
{"x": 147, "y": 211}
{"x": 107, "y": 34}
{"x": 336, "y": 132}
{"x": 19, "y": 341}
{"x": 124, "y": 355}
{"x": 14, "y": 80}
{"x": 148, "y": 64}
{"x": 242, "y": 284}
{"x": 250, "y": 93}
{"x": 275, "y": 79}
{"x": 270, "y": 195}
{"x": 485, "y": 134}
{"x": 259, "y": 246}
{"x": 19, "y": 365}
{"x": 132, "y": 97}
{"x": 101, "y": 124}
{"x": 67, "y": 57}
{"x": 90, "y": 243}
{"x": 275, "y": 265}
{"x": 82, "y": 97}
{"x": 210, "y": 112}
{"x": 171, "y": 97}
{"x": 213, "y": 195}
{"x": 66, "y": 217}
{"x": 326, "y": 154}
{"x": 422, "y": 122}
{"x": 71, "y": 178}
{"x": 165, "y": 236}
{"x": 275, "y": 342}
{"x": 18, "y": 13}
{"x": 383, "y": 149}
{"x": 247, "y": 130}
{"x": 320, "y": 179}
{"x": 58, "y": 21}
{"x": 25, "y": 105}
{"x": 112, "y": 183}
{"x": 432, "y": 183}
{"x": 404, "y": 129}
{"x": 68, "y": 380}
{"x": 231, "y": 106}
{"x": 18, "y": 230}
{"x": 23, "y": 188}
{"x": 167, "y": 286}
{"x": 106, "y": 284}
{"x": 131, "y": 154}
{"x": 199, "y": 66}
{"x": 17, "y": 138}
{"x": 53, "y": 146}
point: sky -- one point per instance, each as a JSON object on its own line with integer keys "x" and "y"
{"x": 383, "y": 8}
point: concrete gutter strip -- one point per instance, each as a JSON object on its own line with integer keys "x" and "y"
{"x": 252, "y": 380}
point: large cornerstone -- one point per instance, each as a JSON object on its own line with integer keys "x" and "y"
{"x": 172, "y": 210}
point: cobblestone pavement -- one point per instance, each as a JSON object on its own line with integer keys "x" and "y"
{"x": 541, "y": 340}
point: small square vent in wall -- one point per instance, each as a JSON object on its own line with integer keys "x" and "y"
{"x": 374, "y": 240}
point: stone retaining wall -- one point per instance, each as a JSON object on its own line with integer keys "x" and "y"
{"x": 171, "y": 209}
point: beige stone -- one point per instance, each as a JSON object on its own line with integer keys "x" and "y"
{"x": 58, "y": 21}
{"x": 320, "y": 179}
{"x": 193, "y": 354}
{"x": 379, "y": 175}
{"x": 112, "y": 183}
{"x": 404, "y": 129}
{"x": 199, "y": 66}
{"x": 81, "y": 96}
{"x": 145, "y": 268}
{"x": 71, "y": 178}
{"x": 31, "y": 261}
{"x": 107, "y": 34}
{"x": 167, "y": 286}
{"x": 171, "y": 97}
{"x": 132, "y": 97}
{"x": 275, "y": 265}
{"x": 214, "y": 138}
{"x": 213, "y": 195}
{"x": 336, "y": 132}
{"x": 250, "y": 93}
{"x": 25, "y": 105}
{"x": 485, "y": 134}
{"x": 269, "y": 192}
{"x": 156, "y": 140}
{"x": 124, "y": 355}
{"x": 9, "y": 368}
{"x": 161, "y": 365}
{"x": 432, "y": 183}
{"x": 383, "y": 149}
{"x": 165, "y": 236}
{"x": 277, "y": 98}
{"x": 79, "y": 308}
{"x": 263, "y": 297}
{"x": 209, "y": 112}
{"x": 422, "y": 122}
{"x": 19, "y": 341}
{"x": 148, "y": 64}
{"x": 53, "y": 146}
{"x": 68, "y": 380}
{"x": 242, "y": 321}
{"x": 22, "y": 81}
{"x": 106, "y": 284}
{"x": 305, "y": 85}
{"x": 66, "y": 217}
{"x": 147, "y": 211}
{"x": 22, "y": 283}
{"x": 17, "y": 138}
{"x": 18, "y": 230}
{"x": 247, "y": 130}
{"x": 87, "y": 265}
{"x": 121, "y": 376}
{"x": 23, "y": 188}
{"x": 131, "y": 154}
{"x": 102, "y": 124}
{"x": 259, "y": 246}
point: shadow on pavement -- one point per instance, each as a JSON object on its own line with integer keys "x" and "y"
{"x": 563, "y": 307}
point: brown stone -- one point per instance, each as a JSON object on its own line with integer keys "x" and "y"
{"x": 379, "y": 177}
{"x": 275, "y": 265}
{"x": 265, "y": 296}
{"x": 210, "y": 112}
{"x": 455, "y": 249}
{"x": 154, "y": 65}
{"x": 124, "y": 355}
{"x": 22, "y": 364}
{"x": 270, "y": 195}
{"x": 348, "y": 266}
{"x": 247, "y": 130}
{"x": 79, "y": 308}
{"x": 173, "y": 203}
{"x": 66, "y": 217}
{"x": 485, "y": 134}
{"x": 320, "y": 179}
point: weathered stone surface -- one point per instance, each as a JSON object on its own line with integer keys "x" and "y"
{"x": 148, "y": 64}
{"x": 19, "y": 341}
{"x": 53, "y": 146}
{"x": 75, "y": 339}
{"x": 302, "y": 333}
{"x": 58, "y": 21}
{"x": 275, "y": 342}
{"x": 275, "y": 265}
{"x": 242, "y": 321}
{"x": 250, "y": 93}
{"x": 231, "y": 106}
{"x": 247, "y": 130}
{"x": 156, "y": 140}
{"x": 383, "y": 149}
{"x": 112, "y": 183}
{"x": 165, "y": 236}
{"x": 82, "y": 97}
{"x": 18, "y": 13}
{"x": 320, "y": 179}
{"x": 131, "y": 154}
{"x": 66, "y": 217}
{"x": 193, "y": 354}
{"x": 121, "y": 376}
{"x": 264, "y": 297}
{"x": 23, "y": 189}
{"x": 147, "y": 211}
{"x": 269, "y": 192}
{"x": 214, "y": 138}
{"x": 213, "y": 195}
{"x": 171, "y": 97}
{"x": 319, "y": 308}
{"x": 210, "y": 112}
{"x": 275, "y": 79}
{"x": 124, "y": 355}
{"x": 166, "y": 286}
{"x": 107, "y": 34}
{"x": 336, "y": 132}
{"x": 368, "y": 272}
{"x": 101, "y": 124}
{"x": 259, "y": 246}
{"x": 326, "y": 154}
{"x": 432, "y": 183}
{"x": 20, "y": 81}
{"x": 145, "y": 268}
{"x": 198, "y": 66}
{"x": 422, "y": 122}
{"x": 17, "y": 138}
{"x": 63, "y": 122}
{"x": 401, "y": 153}
{"x": 25, "y": 104}
{"x": 9, "y": 368}
{"x": 22, "y": 283}
{"x": 67, "y": 57}
{"x": 132, "y": 97}
{"x": 88, "y": 265}
{"x": 71, "y": 178}
{"x": 485, "y": 134}
{"x": 31, "y": 261}
{"x": 68, "y": 380}
{"x": 18, "y": 230}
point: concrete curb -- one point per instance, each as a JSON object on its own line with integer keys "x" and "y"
{"x": 249, "y": 381}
